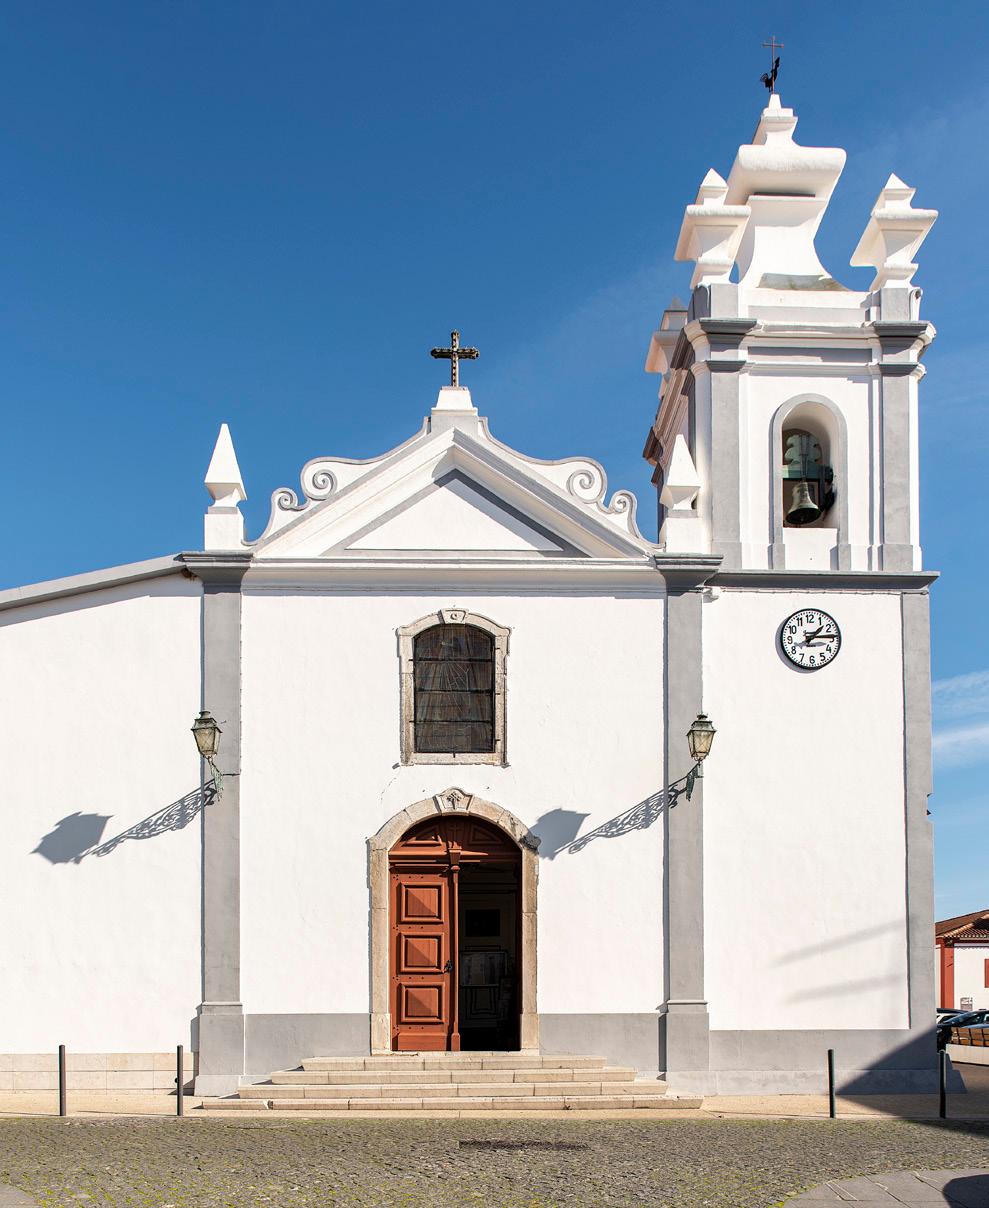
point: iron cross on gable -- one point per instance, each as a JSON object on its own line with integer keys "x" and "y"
{"x": 769, "y": 77}
{"x": 454, "y": 354}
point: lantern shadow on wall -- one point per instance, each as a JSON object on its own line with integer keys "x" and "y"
{"x": 559, "y": 830}
{"x": 79, "y": 835}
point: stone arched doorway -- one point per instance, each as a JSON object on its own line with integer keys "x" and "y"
{"x": 453, "y": 928}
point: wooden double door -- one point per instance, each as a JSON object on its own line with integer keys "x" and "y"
{"x": 431, "y": 947}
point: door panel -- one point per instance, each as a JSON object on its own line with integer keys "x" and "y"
{"x": 421, "y": 903}
{"x": 422, "y": 1004}
{"x": 421, "y": 984}
{"x": 420, "y": 953}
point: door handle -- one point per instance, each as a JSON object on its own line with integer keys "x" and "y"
{"x": 448, "y": 967}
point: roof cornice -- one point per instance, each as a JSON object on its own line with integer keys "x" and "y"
{"x": 345, "y": 574}
{"x": 95, "y": 580}
{"x": 687, "y": 572}
{"x": 825, "y": 580}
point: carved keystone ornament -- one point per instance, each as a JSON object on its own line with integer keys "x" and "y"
{"x": 453, "y": 799}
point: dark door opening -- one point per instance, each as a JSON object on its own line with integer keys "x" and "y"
{"x": 488, "y": 948}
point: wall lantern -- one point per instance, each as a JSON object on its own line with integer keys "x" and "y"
{"x": 207, "y": 735}
{"x": 700, "y": 736}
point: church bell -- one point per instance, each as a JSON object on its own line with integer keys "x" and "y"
{"x": 803, "y": 509}
{"x": 813, "y": 481}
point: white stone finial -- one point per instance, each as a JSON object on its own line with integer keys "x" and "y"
{"x": 711, "y": 232}
{"x": 681, "y": 482}
{"x": 893, "y": 235}
{"x": 664, "y": 340}
{"x": 712, "y": 188}
{"x": 223, "y": 478}
{"x": 776, "y": 124}
{"x": 224, "y": 523}
{"x": 682, "y": 530}
{"x": 454, "y": 409}
{"x": 454, "y": 398}
{"x": 788, "y": 188}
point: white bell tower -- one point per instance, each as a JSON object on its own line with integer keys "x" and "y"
{"x": 786, "y": 435}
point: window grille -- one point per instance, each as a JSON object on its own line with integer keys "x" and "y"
{"x": 454, "y": 690}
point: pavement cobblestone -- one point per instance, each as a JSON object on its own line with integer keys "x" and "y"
{"x": 677, "y": 1163}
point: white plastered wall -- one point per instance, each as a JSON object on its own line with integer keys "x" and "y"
{"x": 321, "y": 774}
{"x": 804, "y": 859}
{"x": 970, "y": 974}
{"x": 101, "y": 953}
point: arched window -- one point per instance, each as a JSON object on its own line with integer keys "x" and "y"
{"x": 453, "y": 689}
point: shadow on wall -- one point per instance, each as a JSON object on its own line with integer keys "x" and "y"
{"x": 78, "y": 835}
{"x": 841, "y": 942}
{"x": 847, "y": 987}
{"x": 558, "y": 830}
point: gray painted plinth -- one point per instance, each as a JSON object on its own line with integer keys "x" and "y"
{"x": 628, "y": 1040}
{"x": 851, "y": 1082}
{"x": 741, "y": 1063}
{"x": 281, "y": 1042}
{"x": 220, "y": 1029}
{"x": 868, "y": 1062}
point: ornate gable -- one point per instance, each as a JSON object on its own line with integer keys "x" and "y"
{"x": 452, "y": 492}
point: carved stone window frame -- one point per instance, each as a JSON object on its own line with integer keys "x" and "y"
{"x": 406, "y": 650}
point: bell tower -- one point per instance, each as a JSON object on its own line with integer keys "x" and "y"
{"x": 785, "y": 452}
{"x": 786, "y": 435}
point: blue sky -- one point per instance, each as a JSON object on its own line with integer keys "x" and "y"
{"x": 267, "y": 214}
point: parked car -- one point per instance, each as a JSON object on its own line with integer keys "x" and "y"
{"x": 961, "y": 1019}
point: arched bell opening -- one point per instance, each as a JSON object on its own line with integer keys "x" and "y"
{"x": 810, "y": 489}
{"x": 453, "y": 930}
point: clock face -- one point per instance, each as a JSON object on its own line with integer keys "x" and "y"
{"x": 810, "y": 639}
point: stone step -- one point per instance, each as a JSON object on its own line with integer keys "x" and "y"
{"x": 451, "y": 1061}
{"x": 399, "y": 1077}
{"x": 441, "y": 1090}
{"x": 465, "y": 1103}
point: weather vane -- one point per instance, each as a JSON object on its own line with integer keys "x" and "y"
{"x": 454, "y": 354}
{"x": 769, "y": 77}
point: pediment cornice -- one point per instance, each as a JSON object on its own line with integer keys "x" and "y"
{"x": 343, "y": 497}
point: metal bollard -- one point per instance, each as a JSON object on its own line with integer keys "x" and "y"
{"x": 943, "y": 1084}
{"x": 179, "y": 1082}
{"x": 62, "y": 1108}
{"x": 832, "y": 1110}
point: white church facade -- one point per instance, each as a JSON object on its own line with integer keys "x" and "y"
{"x": 454, "y": 685}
